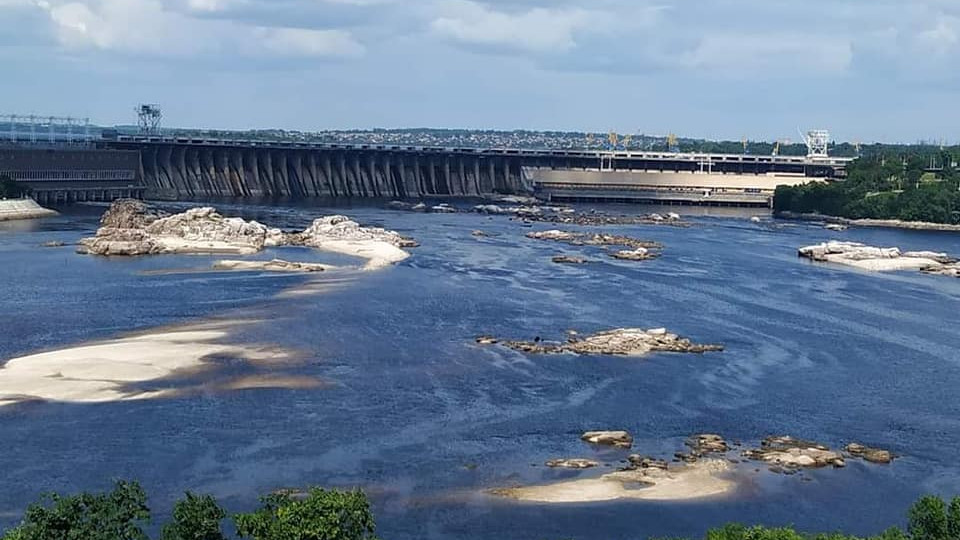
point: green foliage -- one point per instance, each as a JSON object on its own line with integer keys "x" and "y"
{"x": 10, "y": 189}
{"x": 884, "y": 187}
{"x": 322, "y": 515}
{"x": 117, "y": 515}
{"x": 928, "y": 520}
{"x": 196, "y": 517}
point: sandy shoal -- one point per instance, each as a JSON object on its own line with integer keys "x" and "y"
{"x": 884, "y": 265}
{"x": 697, "y": 480}
{"x": 104, "y": 371}
{"x": 378, "y": 254}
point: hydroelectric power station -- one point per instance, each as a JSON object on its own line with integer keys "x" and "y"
{"x": 61, "y": 160}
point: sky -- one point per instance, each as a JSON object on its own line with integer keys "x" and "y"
{"x": 868, "y": 70}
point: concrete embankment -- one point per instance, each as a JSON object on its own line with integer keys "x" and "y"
{"x": 11, "y": 209}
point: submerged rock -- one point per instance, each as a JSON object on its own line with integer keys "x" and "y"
{"x": 873, "y": 455}
{"x": 646, "y": 462}
{"x": 576, "y": 463}
{"x": 621, "y": 341}
{"x": 568, "y": 259}
{"x": 619, "y": 439}
{"x": 791, "y": 453}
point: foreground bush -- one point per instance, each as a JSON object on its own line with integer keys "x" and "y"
{"x": 342, "y": 515}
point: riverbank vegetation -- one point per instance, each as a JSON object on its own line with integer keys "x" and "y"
{"x": 10, "y": 189}
{"x": 318, "y": 514}
{"x": 914, "y": 186}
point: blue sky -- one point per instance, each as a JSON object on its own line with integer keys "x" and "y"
{"x": 866, "y": 69}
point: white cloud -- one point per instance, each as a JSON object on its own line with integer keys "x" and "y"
{"x": 156, "y": 28}
{"x": 536, "y": 30}
{"x": 304, "y": 42}
{"x": 756, "y": 55}
{"x": 942, "y": 38}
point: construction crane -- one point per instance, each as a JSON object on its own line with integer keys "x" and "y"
{"x": 613, "y": 138}
{"x": 672, "y": 143}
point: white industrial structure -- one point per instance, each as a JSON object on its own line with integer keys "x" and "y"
{"x": 32, "y": 128}
{"x": 149, "y": 116}
{"x": 818, "y": 143}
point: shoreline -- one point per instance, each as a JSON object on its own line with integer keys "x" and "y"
{"x": 867, "y": 222}
{"x": 23, "y": 209}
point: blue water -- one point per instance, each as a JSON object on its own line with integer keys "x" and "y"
{"x": 424, "y": 420}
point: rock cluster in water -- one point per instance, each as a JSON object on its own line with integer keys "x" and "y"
{"x": 791, "y": 454}
{"x": 639, "y": 250}
{"x": 621, "y": 341}
{"x": 878, "y": 259}
{"x": 873, "y": 455}
{"x": 131, "y": 227}
{"x": 530, "y": 209}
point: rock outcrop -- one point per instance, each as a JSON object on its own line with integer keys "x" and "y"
{"x": 618, "y": 439}
{"x": 701, "y": 445}
{"x": 789, "y": 453}
{"x": 134, "y": 228}
{"x": 873, "y": 455}
{"x": 877, "y": 259}
{"x": 621, "y": 341}
{"x": 638, "y": 461}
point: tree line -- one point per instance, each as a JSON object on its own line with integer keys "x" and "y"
{"x": 122, "y": 514}
{"x": 920, "y": 185}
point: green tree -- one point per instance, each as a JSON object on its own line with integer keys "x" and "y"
{"x": 322, "y": 515}
{"x": 928, "y": 520}
{"x": 117, "y": 515}
{"x": 9, "y": 188}
{"x": 195, "y": 517}
{"x": 953, "y": 519}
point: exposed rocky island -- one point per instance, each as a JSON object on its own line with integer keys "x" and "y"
{"x": 878, "y": 259}
{"x": 131, "y": 228}
{"x": 618, "y": 439}
{"x": 791, "y": 453}
{"x": 621, "y": 341}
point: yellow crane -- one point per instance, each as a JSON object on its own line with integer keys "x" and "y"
{"x": 672, "y": 142}
{"x": 613, "y": 138}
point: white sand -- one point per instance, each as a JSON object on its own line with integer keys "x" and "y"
{"x": 101, "y": 371}
{"x": 701, "y": 479}
{"x": 884, "y": 264}
{"x": 176, "y": 244}
{"x": 378, "y": 254}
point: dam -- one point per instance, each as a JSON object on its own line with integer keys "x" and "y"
{"x": 116, "y": 166}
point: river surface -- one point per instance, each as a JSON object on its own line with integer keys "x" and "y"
{"x": 424, "y": 420}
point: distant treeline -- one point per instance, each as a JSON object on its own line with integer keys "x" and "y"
{"x": 122, "y": 514}
{"x": 915, "y": 185}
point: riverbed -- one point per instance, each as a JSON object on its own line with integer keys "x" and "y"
{"x": 410, "y": 409}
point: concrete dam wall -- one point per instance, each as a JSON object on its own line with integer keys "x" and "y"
{"x": 185, "y": 170}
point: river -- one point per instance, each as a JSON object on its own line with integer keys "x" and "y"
{"x": 425, "y": 420}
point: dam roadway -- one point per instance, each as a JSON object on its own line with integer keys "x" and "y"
{"x": 184, "y": 168}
